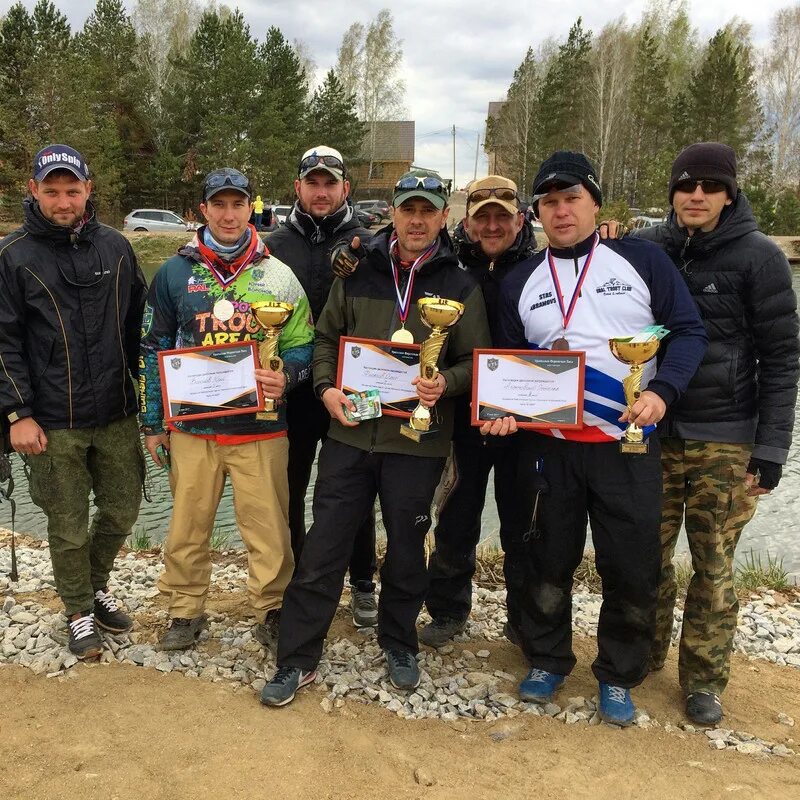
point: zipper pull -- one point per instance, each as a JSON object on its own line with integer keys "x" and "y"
{"x": 491, "y": 266}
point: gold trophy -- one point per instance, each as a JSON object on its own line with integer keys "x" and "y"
{"x": 635, "y": 354}
{"x": 271, "y": 315}
{"x": 439, "y": 315}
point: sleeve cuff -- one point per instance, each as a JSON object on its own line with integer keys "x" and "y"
{"x": 666, "y": 392}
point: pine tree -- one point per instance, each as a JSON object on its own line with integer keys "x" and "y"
{"x": 332, "y": 120}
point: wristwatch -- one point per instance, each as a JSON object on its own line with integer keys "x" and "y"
{"x": 16, "y": 416}
{"x": 147, "y": 430}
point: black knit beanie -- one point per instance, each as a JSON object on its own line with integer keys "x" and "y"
{"x": 565, "y": 168}
{"x": 711, "y": 161}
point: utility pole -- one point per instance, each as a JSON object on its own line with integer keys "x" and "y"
{"x": 454, "y": 158}
{"x": 477, "y": 149}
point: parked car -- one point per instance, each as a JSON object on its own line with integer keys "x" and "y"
{"x": 367, "y": 219}
{"x": 281, "y": 212}
{"x": 380, "y": 208}
{"x": 157, "y": 220}
{"x": 645, "y": 222}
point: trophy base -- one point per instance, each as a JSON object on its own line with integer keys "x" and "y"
{"x": 267, "y": 416}
{"x": 418, "y": 436}
{"x": 634, "y": 448}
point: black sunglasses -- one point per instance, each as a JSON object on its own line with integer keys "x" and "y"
{"x": 708, "y": 187}
{"x": 314, "y": 160}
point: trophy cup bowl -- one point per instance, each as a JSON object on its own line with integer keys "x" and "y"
{"x": 635, "y": 354}
{"x": 439, "y": 315}
{"x": 271, "y": 315}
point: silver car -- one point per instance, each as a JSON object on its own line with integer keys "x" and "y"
{"x": 156, "y": 219}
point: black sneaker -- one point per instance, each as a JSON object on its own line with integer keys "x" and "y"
{"x": 403, "y": 669}
{"x": 182, "y": 633}
{"x": 84, "y": 639}
{"x": 365, "y": 608}
{"x": 704, "y": 708}
{"x": 266, "y": 632}
{"x": 284, "y": 685}
{"x": 441, "y": 630}
{"x": 108, "y": 615}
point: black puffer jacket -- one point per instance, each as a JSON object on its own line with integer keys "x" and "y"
{"x": 70, "y": 321}
{"x": 746, "y": 387}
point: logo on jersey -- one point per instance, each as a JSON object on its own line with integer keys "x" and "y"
{"x": 613, "y": 287}
{"x": 194, "y": 284}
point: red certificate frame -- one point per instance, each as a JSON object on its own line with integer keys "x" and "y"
{"x": 404, "y": 353}
{"x": 176, "y": 410}
{"x": 509, "y": 370}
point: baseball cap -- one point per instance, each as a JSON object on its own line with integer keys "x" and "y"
{"x": 416, "y": 184}
{"x": 226, "y": 178}
{"x": 565, "y": 168}
{"x": 59, "y": 156}
{"x": 492, "y": 189}
{"x": 322, "y": 157}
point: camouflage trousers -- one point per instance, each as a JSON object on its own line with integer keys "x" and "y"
{"x": 104, "y": 460}
{"x": 706, "y": 481}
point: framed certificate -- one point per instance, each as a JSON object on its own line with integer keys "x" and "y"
{"x": 388, "y": 367}
{"x": 214, "y": 381}
{"x": 539, "y": 388}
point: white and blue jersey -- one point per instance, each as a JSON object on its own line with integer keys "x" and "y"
{"x": 629, "y": 285}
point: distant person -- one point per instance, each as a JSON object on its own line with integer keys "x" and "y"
{"x": 725, "y": 441}
{"x": 322, "y": 218}
{"x": 71, "y": 299}
{"x": 258, "y": 210}
{"x": 202, "y": 296}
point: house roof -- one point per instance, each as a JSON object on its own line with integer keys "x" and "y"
{"x": 394, "y": 140}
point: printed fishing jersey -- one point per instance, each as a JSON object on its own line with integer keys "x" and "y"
{"x": 180, "y": 313}
{"x": 625, "y": 288}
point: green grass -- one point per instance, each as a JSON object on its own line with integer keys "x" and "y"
{"x": 219, "y": 539}
{"x": 754, "y": 574}
{"x": 140, "y": 539}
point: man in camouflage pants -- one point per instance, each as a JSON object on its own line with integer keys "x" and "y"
{"x": 723, "y": 444}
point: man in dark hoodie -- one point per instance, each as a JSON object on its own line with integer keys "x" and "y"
{"x": 725, "y": 441}
{"x": 71, "y": 298}
{"x": 409, "y": 260}
{"x": 322, "y": 218}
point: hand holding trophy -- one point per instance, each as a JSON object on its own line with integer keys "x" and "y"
{"x": 439, "y": 315}
{"x": 271, "y": 315}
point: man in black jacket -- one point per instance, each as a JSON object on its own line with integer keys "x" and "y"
{"x": 490, "y": 241}
{"x": 322, "y": 217}
{"x": 71, "y": 299}
{"x": 725, "y": 441}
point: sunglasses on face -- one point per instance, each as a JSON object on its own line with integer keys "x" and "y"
{"x": 500, "y": 192}
{"x": 314, "y": 161}
{"x": 708, "y": 187}
{"x": 428, "y": 183}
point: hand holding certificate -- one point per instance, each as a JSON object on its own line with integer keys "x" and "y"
{"x": 538, "y": 388}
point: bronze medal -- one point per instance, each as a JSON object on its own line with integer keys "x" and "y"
{"x": 560, "y": 344}
{"x": 403, "y": 336}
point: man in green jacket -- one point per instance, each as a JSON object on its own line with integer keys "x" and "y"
{"x": 406, "y": 261}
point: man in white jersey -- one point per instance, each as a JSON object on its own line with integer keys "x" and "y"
{"x": 574, "y": 296}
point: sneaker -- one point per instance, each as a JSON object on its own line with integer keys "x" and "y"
{"x": 108, "y": 615}
{"x": 441, "y": 630}
{"x": 266, "y": 632}
{"x": 284, "y": 685}
{"x": 365, "y": 608}
{"x": 540, "y": 686}
{"x": 182, "y": 633}
{"x": 84, "y": 639}
{"x": 616, "y": 706}
{"x": 704, "y": 708}
{"x": 403, "y": 669}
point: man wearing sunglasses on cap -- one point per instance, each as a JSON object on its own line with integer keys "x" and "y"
{"x": 71, "y": 298}
{"x": 203, "y": 296}
{"x": 725, "y": 441}
{"x": 576, "y": 295}
{"x": 406, "y": 261}
{"x": 322, "y": 218}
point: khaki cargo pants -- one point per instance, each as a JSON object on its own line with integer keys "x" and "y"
{"x": 706, "y": 481}
{"x": 258, "y": 474}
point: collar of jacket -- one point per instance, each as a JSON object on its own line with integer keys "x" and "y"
{"x": 38, "y": 225}
{"x": 473, "y": 258}
{"x": 318, "y": 230}
{"x": 578, "y": 250}
{"x": 192, "y": 249}
{"x": 377, "y": 249}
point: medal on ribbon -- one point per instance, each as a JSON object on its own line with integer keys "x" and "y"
{"x": 402, "y": 335}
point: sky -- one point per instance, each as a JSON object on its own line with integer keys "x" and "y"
{"x": 458, "y": 55}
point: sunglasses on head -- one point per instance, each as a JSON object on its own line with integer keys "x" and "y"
{"x": 708, "y": 187}
{"x": 314, "y": 161}
{"x": 500, "y": 192}
{"x": 227, "y": 177}
{"x": 428, "y": 182}
{"x": 557, "y": 187}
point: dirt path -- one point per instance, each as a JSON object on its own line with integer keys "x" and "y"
{"x": 121, "y": 733}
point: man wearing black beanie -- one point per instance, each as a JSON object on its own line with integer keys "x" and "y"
{"x": 724, "y": 442}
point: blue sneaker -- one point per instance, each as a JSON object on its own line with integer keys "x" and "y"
{"x": 616, "y": 706}
{"x": 539, "y": 686}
